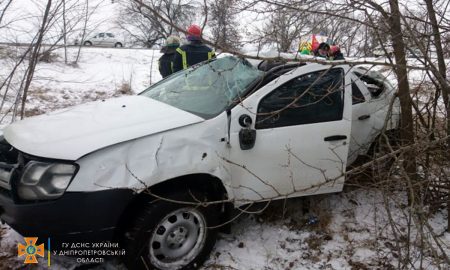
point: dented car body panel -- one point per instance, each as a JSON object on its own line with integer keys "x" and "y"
{"x": 141, "y": 163}
{"x": 293, "y": 160}
{"x": 72, "y": 133}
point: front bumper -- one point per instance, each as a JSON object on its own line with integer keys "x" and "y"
{"x": 76, "y": 217}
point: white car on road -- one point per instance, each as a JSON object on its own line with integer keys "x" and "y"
{"x": 103, "y": 39}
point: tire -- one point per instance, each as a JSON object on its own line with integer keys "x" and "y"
{"x": 87, "y": 43}
{"x": 118, "y": 45}
{"x": 167, "y": 235}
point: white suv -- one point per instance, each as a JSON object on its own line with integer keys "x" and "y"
{"x": 103, "y": 39}
{"x": 142, "y": 169}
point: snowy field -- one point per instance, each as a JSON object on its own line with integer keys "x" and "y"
{"x": 352, "y": 231}
{"x": 99, "y": 73}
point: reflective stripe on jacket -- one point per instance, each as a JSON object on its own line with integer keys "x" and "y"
{"x": 191, "y": 54}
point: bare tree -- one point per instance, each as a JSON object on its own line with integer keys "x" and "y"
{"x": 34, "y": 57}
{"x": 223, "y": 24}
{"x": 283, "y": 28}
{"x": 144, "y": 27}
{"x": 4, "y": 7}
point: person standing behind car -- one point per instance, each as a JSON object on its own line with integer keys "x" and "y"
{"x": 166, "y": 60}
{"x": 335, "y": 53}
{"x": 322, "y": 50}
{"x": 192, "y": 53}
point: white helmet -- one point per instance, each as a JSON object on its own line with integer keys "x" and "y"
{"x": 173, "y": 41}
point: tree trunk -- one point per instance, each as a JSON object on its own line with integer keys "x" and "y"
{"x": 407, "y": 131}
{"x": 65, "y": 31}
{"x": 83, "y": 35}
{"x": 34, "y": 58}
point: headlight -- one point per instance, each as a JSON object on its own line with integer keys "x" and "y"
{"x": 41, "y": 180}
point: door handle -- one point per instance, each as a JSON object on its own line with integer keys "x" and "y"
{"x": 335, "y": 138}
{"x": 364, "y": 117}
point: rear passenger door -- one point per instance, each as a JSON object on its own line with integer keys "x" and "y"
{"x": 362, "y": 119}
{"x": 302, "y": 122}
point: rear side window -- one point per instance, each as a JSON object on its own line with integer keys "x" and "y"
{"x": 375, "y": 85}
{"x": 357, "y": 95}
{"x": 311, "y": 98}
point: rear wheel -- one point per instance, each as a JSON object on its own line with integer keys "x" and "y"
{"x": 87, "y": 43}
{"x": 167, "y": 235}
{"x": 118, "y": 45}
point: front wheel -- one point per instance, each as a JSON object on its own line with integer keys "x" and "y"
{"x": 168, "y": 235}
{"x": 118, "y": 45}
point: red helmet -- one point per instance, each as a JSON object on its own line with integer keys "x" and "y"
{"x": 334, "y": 49}
{"x": 194, "y": 30}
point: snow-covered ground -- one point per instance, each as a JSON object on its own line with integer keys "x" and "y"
{"x": 99, "y": 73}
{"x": 22, "y": 20}
{"x": 353, "y": 229}
{"x": 352, "y": 232}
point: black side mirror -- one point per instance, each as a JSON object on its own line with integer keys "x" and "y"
{"x": 247, "y": 136}
{"x": 245, "y": 121}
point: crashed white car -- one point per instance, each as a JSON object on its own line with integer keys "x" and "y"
{"x": 143, "y": 170}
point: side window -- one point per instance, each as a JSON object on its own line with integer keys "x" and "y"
{"x": 311, "y": 98}
{"x": 101, "y": 35}
{"x": 375, "y": 86}
{"x": 357, "y": 96}
{"x": 110, "y": 35}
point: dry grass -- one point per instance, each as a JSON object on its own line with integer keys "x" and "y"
{"x": 124, "y": 89}
{"x": 48, "y": 57}
{"x": 10, "y": 52}
{"x": 288, "y": 212}
{"x": 33, "y": 112}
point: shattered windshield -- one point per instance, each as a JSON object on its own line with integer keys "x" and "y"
{"x": 206, "y": 90}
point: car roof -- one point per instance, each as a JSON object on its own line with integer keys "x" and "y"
{"x": 266, "y": 65}
{"x": 369, "y": 72}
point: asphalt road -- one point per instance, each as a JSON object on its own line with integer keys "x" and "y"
{"x": 71, "y": 45}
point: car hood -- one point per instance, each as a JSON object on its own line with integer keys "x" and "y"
{"x": 74, "y": 132}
